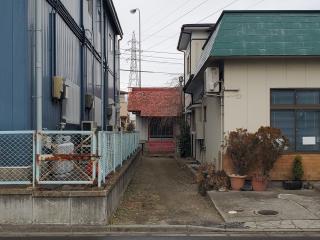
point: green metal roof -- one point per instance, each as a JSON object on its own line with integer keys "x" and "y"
{"x": 262, "y": 33}
{"x": 267, "y": 33}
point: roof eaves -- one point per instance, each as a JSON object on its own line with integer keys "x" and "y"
{"x": 185, "y": 88}
{"x": 115, "y": 17}
{"x": 184, "y": 30}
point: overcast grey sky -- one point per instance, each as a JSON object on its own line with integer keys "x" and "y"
{"x": 160, "y": 29}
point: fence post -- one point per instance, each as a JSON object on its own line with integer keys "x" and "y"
{"x": 94, "y": 152}
{"x": 104, "y": 155}
{"x": 99, "y": 158}
{"x": 114, "y": 150}
{"x": 121, "y": 159}
{"x": 38, "y": 155}
{"x": 34, "y": 159}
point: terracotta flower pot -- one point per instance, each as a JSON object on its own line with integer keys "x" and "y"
{"x": 259, "y": 183}
{"x": 237, "y": 182}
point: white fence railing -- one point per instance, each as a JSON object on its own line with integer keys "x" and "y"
{"x": 63, "y": 157}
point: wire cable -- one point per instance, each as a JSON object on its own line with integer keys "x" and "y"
{"x": 176, "y": 53}
{"x": 217, "y": 11}
{"x": 168, "y": 15}
{"x": 151, "y": 56}
{"x": 147, "y": 71}
{"x": 144, "y": 60}
{"x": 177, "y": 19}
{"x": 172, "y": 36}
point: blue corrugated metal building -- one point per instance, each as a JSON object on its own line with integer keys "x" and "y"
{"x": 71, "y": 50}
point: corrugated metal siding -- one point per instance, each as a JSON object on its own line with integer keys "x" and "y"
{"x": 51, "y": 111}
{"x": 97, "y": 78}
{"x": 17, "y": 104}
{"x": 68, "y": 53}
{"x": 89, "y": 72}
{"x": 15, "y": 101}
{"x": 73, "y": 7}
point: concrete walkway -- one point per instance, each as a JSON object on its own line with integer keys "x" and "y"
{"x": 163, "y": 192}
{"x": 290, "y": 210}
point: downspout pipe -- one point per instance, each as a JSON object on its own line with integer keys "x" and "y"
{"x": 117, "y": 55}
{"x": 106, "y": 52}
{"x": 38, "y": 64}
{"x": 102, "y": 65}
{"x": 82, "y": 101}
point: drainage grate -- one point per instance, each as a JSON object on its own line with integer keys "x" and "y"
{"x": 267, "y": 212}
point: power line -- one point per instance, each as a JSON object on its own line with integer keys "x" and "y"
{"x": 177, "y": 19}
{"x": 220, "y": 9}
{"x": 179, "y": 53}
{"x": 144, "y": 60}
{"x": 151, "y": 56}
{"x": 168, "y": 15}
{"x": 257, "y": 3}
{"x": 145, "y": 71}
{"x": 168, "y": 38}
{"x": 172, "y": 36}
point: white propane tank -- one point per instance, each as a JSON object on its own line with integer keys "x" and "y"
{"x": 62, "y": 169}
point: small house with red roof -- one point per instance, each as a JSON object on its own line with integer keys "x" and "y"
{"x": 157, "y": 113}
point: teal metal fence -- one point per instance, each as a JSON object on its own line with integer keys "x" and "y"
{"x": 115, "y": 148}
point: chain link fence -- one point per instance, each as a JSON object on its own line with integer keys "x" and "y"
{"x": 63, "y": 157}
{"x": 67, "y": 157}
{"x": 17, "y": 152}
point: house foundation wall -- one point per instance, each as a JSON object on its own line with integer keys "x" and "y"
{"x": 282, "y": 169}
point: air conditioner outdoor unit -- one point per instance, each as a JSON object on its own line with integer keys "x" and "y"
{"x": 88, "y": 125}
{"x": 212, "y": 80}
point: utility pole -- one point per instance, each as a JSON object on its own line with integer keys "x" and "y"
{"x": 134, "y": 76}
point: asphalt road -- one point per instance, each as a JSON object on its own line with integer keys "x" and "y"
{"x": 170, "y": 238}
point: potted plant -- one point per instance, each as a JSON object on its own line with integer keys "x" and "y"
{"x": 297, "y": 173}
{"x": 240, "y": 145}
{"x": 270, "y": 146}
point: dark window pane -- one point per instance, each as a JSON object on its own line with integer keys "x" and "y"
{"x": 161, "y": 128}
{"x": 308, "y": 97}
{"x": 284, "y": 120}
{"x": 308, "y": 130}
{"x": 282, "y": 97}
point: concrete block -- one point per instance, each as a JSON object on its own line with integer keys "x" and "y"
{"x": 16, "y": 209}
{"x": 51, "y": 210}
{"x": 88, "y": 211}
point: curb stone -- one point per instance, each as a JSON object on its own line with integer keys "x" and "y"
{"x": 173, "y": 229}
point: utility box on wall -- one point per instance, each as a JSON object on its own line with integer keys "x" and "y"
{"x": 57, "y": 87}
{"x": 71, "y": 103}
{"x": 212, "y": 80}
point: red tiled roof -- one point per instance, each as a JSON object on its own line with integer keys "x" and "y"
{"x": 155, "y": 102}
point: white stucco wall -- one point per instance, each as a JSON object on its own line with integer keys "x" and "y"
{"x": 142, "y": 125}
{"x": 212, "y": 130}
{"x": 250, "y": 106}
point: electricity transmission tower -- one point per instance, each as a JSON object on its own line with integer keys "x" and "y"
{"x": 134, "y": 72}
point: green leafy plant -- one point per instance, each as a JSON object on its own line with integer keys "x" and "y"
{"x": 184, "y": 139}
{"x": 240, "y": 146}
{"x": 130, "y": 127}
{"x": 270, "y": 146}
{"x": 297, "y": 169}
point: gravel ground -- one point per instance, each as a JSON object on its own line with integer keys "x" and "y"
{"x": 163, "y": 192}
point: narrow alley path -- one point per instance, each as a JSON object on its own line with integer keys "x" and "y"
{"x": 163, "y": 192}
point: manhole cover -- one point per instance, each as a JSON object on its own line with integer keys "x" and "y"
{"x": 267, "y": 212}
